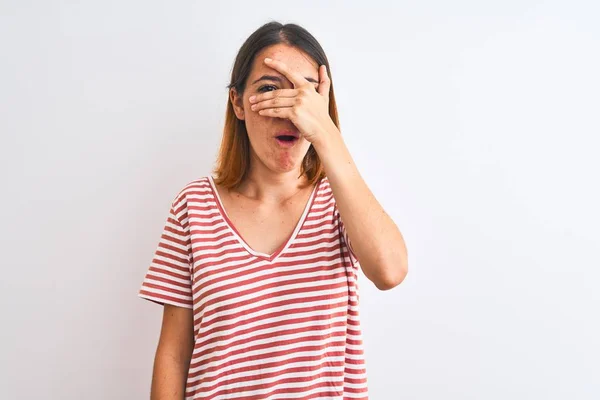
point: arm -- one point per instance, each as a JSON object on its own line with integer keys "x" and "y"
{"x": 375, "y": 238}
{"x": 173, "y": 354}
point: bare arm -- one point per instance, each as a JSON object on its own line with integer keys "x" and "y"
{"x": 173, "y": 354}
{"x": 375, "y": 238}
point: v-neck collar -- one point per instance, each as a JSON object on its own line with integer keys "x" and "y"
{"x": 236, "y": 233}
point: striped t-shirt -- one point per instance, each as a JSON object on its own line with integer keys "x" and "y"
{"x": 279, "y": 326}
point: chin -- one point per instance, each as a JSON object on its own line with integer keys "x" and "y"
{"x": 286, "y": 168}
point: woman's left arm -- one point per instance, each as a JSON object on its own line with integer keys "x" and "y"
{"x": 375, "y": 238}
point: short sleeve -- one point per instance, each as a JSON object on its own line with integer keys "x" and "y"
{"x": 168, "y": 279}
{"x": 345, "y": 236}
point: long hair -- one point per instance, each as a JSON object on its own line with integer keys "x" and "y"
{"x": 233, "y": 160}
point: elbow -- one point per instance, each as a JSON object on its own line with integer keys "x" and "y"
{"x": 395, "y": 267}
{"x": 392, "y": 280}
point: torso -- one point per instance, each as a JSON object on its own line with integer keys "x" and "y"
{"x": 264, "y": 227}
{"x": 265, "y": 325}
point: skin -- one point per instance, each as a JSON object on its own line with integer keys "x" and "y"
{"x": 173, "y": 354}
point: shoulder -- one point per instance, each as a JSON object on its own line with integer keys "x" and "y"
{"x": 326, "y": 196}
{"x": 324, "y": 200}
{"x": 323, "y": 190}
{"x": 196, "y": 189}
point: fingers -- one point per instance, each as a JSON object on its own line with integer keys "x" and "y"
{"x": 324, "y": 81}
{"x": 294, "y": 77}
{"x": 273, "y": 94}
{"x": 279, "y": 112}
{"x": 275, "y": 102}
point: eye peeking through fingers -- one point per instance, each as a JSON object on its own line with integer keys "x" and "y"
{"x": 264, "y": 88}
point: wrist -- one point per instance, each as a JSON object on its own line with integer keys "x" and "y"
{"x": 328, "y": 141}
{"x": 334, "y": 154}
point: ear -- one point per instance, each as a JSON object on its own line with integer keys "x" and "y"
{"x": 237, "y": 102}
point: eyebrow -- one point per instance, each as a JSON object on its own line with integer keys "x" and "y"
{"x": 278, "y": 79}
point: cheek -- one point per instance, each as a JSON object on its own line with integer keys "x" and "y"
{"x": 254, "y": 125}
{"x": 254, "y": 117}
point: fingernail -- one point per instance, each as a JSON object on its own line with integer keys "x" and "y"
{"x": 252, "y": 98}
{"x": 268, "y": 59}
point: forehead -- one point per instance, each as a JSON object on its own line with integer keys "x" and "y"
{"x": 294, "y": 58}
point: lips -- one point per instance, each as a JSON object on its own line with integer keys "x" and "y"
{"x": 287, "y": 138}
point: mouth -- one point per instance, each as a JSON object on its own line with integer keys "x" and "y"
{"x": 287, "y": 138}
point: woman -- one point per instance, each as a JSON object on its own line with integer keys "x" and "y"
{"x": 255, "y": 268}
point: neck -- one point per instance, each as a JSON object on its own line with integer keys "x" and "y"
{"x": 267, "y": 186}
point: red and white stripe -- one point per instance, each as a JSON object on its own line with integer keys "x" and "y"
{"x": 279, "y": 326}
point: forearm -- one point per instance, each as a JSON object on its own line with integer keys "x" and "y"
{"x": 168, "y": 378}
{"x": 375, "y": 238}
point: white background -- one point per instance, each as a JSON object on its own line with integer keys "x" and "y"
{"x": 476, "y": 124}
